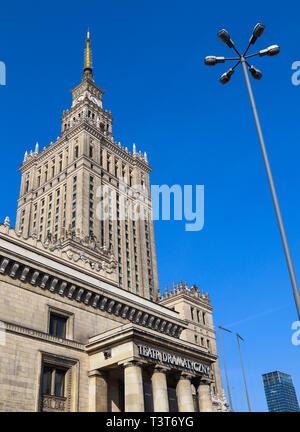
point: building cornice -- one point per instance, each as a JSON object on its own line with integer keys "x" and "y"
{"x": 184, "y": 295}
{"x": 35, "y": 159}
{"x": 132, "y": 332}
{"x": 48, "y": 274}
{"x": 10, "y": 327}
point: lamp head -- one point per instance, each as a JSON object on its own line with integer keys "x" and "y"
{"x": 224, "y": 36}
{"x": 225, "y": 78}
{"x": 257, "y": 32}
{"x": 212, "y": 60}
{"x": 256, "y": 73}
{"x": 270, "y": 51}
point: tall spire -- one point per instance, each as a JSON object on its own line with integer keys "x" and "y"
{"x": 88, "y": 71}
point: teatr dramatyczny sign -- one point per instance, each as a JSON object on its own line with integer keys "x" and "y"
{"x": 174, "y": 360}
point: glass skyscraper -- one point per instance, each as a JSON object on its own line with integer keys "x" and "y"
{"x": 280, "y": 392}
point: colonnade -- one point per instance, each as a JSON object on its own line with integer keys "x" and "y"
{"x": 134, "y": 394}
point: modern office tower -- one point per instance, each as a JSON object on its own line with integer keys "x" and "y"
{"x": 280, "y": 392}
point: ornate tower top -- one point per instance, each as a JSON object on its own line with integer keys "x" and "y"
{"x": 88, "y": 70}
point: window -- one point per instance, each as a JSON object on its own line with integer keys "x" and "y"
{"x": 204, "y": 318}
{"x": 53, "y": 381}
{"x": 57, "y": 326}
{"x": 192, "y": 313}
{"x": 59, "y": 383}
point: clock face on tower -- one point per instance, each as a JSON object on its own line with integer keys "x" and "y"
{"x": 80, "y": 99}
{"x": 94, "y": 100}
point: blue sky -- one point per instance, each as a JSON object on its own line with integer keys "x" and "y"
{"x": 148, "y": 57}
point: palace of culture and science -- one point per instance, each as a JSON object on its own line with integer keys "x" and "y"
{"x": 83, "y": 326}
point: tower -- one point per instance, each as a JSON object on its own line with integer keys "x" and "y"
{"x": 280, "y": 392}
{"x": 87, "y": 194}
{"x": 195, "y": 308}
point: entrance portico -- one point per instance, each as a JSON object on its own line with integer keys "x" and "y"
{"x": 134, "y": 371}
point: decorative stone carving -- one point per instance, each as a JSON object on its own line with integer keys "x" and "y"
{"x": 87, "y": 297}
{"x": 14, "y": 270}
{"x": 219, "y": 402}
{"x": 118, "y": 308}
{"x": 103, "y": 303}
{"x": 173, "y": 332}
{"x": 95, "y": 301}
{"x": 24, "y": 273}
{"x": 62, "y": 288}
{"x": 34, "y": 277}
{"x": 44, "y": 281}
{"x": 53, "y": 284}
{"x": 157, "y": 322}
{"x": 150, "y": 322}
{"x": 138, "y": 317}
{"x": 163, "y": 325}
{"x": 145, "y": 317}
{"x": 131, "y": 314}
{"x": 168, "y": 328}
{"x": 71, "y": 291}
{"x": 110, "y": 306}
{"x": 184, "y": 289}
{"x": 53, "y": 404}
{"x": 79, "y": 294}
{"x": 3, "y": 265}
{"x": 124, "y": 312}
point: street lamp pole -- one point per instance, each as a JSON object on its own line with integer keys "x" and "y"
{"x": 227, "y": 381}
{"x": 273, "y": 191}
{"x": 256, "y": 74}
{"x": 248, "y": 401}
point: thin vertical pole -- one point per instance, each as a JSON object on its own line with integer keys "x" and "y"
{"x": 227, "y": 382}
{"x": 237, "y": 336}
{"x": 273, "y": 191}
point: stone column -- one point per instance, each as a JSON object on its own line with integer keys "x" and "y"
{"x": 160, "y": 390}
{"x": 133, "y": 387}
{"x": 97, "y": 391}
{"x": 184, "y": 394}
{"x": 204, "y": 397}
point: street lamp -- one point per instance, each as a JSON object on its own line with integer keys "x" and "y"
{"x": 256, "y": 74}
{"x": 227, "y": 382}
{"x": 238, "y": 341}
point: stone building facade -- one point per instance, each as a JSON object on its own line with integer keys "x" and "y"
{"x": 83, "y": 325}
